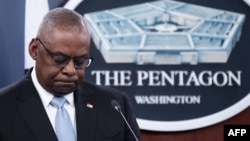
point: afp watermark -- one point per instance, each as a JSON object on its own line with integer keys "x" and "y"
{"x": 237, "y": 132}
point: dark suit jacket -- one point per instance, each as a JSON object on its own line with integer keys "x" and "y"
{"x": 23, "y": 117}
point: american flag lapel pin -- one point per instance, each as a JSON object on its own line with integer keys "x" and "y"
{"x": 90, "y": 106}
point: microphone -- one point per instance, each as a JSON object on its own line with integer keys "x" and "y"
{"x": 117, "y": 107}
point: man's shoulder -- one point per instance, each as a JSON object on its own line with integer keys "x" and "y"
{"x": 99, "y": 89}
{"x": 15, "y": 87}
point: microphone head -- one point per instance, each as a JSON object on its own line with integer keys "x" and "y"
{"x": 116, "y": 105}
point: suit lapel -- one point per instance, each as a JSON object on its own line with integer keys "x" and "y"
{"x": 86, "y": 114}
{"x": 33, "y": 113}
{"x": 30, "y": 108}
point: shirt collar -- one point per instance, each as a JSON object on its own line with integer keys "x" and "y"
{"x": 45, "y": 96}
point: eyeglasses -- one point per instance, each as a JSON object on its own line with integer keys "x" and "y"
{"x": 61, "y": 60}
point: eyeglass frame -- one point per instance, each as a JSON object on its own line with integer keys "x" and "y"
{"x": 68, "y": 58}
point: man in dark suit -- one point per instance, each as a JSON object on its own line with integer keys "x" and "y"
{"x": 61, "y": 54}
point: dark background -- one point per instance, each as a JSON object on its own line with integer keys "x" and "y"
{"x": 214, "y": 98}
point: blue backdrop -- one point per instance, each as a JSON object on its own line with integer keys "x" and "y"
{"x": 11, "y": 40}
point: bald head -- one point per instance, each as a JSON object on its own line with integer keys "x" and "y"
{"x": 61, "y": 51}
{"x": 63, "y": 19}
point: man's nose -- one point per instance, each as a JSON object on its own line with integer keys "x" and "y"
{"x": 70, "y": 68}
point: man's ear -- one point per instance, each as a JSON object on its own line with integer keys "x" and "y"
{"x": 33, "y": 49}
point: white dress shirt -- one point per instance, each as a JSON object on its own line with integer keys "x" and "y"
{"x": 46, "y": 97}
